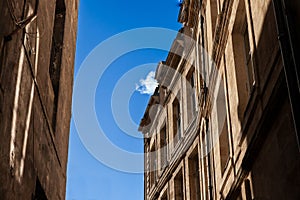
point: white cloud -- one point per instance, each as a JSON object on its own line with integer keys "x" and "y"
{"x": 148, "y": 85}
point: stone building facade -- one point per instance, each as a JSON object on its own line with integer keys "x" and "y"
{"x": 224, "y": 121}
{"x": 37, "y": 50}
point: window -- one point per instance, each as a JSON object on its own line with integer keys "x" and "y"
{"x": 2, "y": 59}
{"x": 39, "y": 193}
{"x": 176, "y": 121}
{"x": 239, "y": 197}
{"x": 191, "y": 96}
{"x": 247, "y": 57}
{"x": 193, "y": 14}
{"x": 178, "y": 184}
{"x": 163, "y": 147}
{"x": 214, "y": 15}
{"x": 203, "y": 40}
{"x": 194, "y": 178}
{"x": 222, "y": 126}
{"x": 2, "y": 56}
{"x": 165, "y": 195}
{"x": 224, "y": 147}
{"x": 205, "y": 69}
{"x": 147, "y": 164}
{"x": 153, "y": 166}
{"x": 248, "y": 189}
{"x": 56, "y": 53}
{"x": 242, "y": 58}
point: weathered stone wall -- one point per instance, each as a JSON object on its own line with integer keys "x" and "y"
{"x": 33, "y": 149}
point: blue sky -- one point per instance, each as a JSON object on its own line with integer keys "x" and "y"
{"x": 87, "y": 177}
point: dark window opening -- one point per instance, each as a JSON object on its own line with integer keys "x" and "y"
{"x": 56, "y": 53}
{"x": 178, "y": 184}
{"x": 247, "y": 54}
{"x": 222, "y": 127}
{"x": 194, "y": 177}
{"x": 165, "y": 196}
{"x": 191, "y": 96}
{"x": 176, "y": 121}
{"x": 163, "y": 147}
{"x": 248, "y": 189}
{"x": 239, "y": 195}
{"x": 205, "y": 69}
{"x": 39, "y": 193}
{"x": 153, "y": 163}
{"x": 214, "y": 15}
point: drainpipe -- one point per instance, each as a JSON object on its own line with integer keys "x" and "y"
{"x": 289, "y": 62}
{"x": 210, "y": 187}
